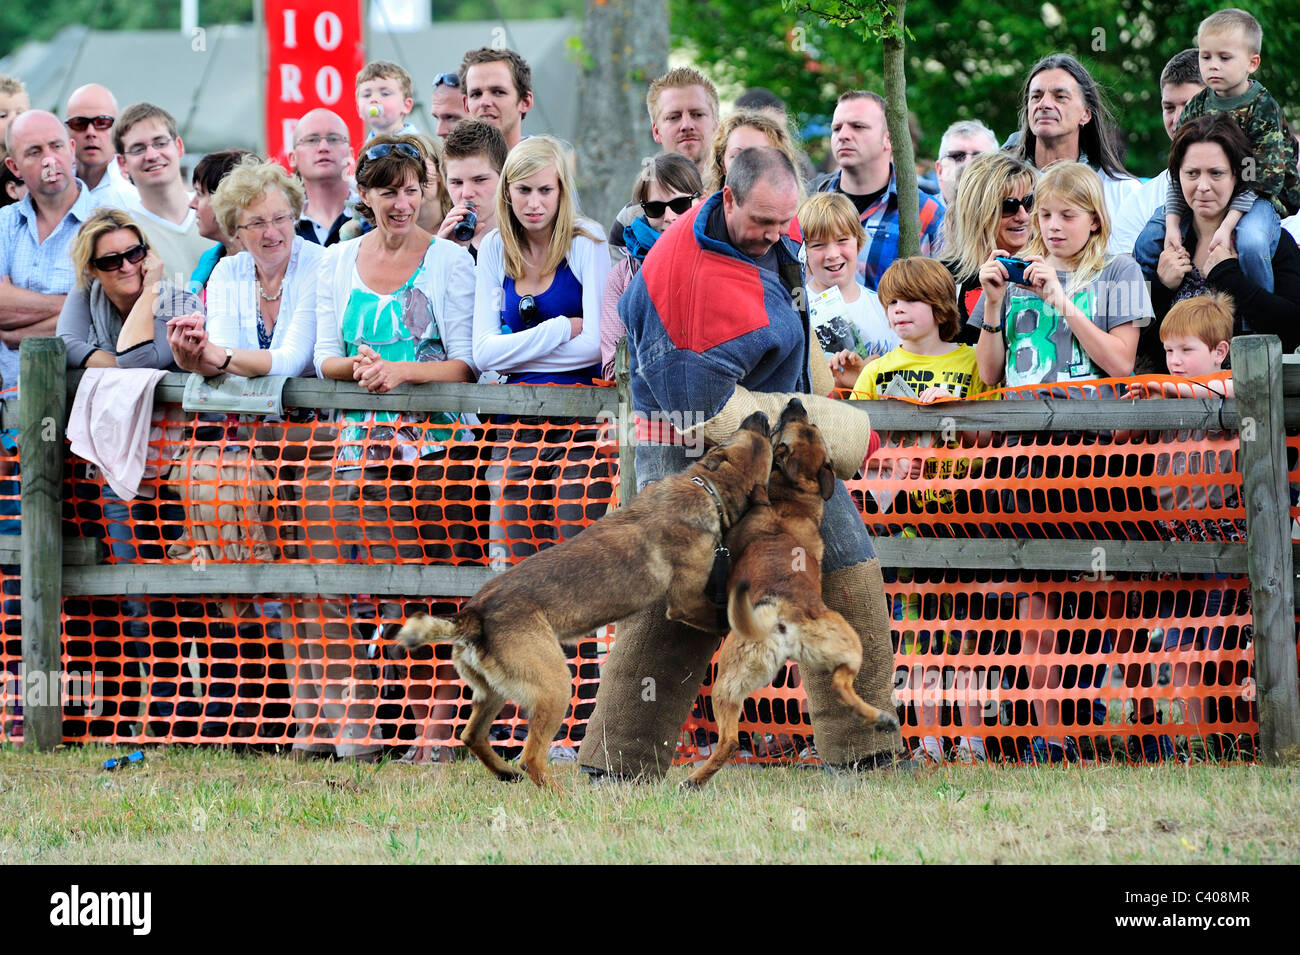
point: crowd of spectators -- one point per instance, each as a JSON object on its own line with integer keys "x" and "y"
{"x": 465, "y": 257}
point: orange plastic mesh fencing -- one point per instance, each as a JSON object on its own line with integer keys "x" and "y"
{"x": 310, "y": 489}
{"x": 1023, "y": 667}
{"x": 317, "y": 671}
{"x": 1041, "y": 664}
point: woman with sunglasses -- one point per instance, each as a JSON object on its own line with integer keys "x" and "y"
{"x": 668, "y": 186}
{"x": 261, "y": 317}
{"x": 117, "y": 315}
{"x": 395, "y": 306}
{"x": 993, "y": 209}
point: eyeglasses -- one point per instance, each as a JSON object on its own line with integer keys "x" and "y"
{"x": 78, "y": 124}
{"x": 1011, "y": 205}
{"x": 447, "y": 79}
{"x": 261, "y": 225}
{"x": 528, "y": 309}
{"x": 961, "y": 155}
{"x": 333, "y": 139}
{"x": 383, "y": 149}
{"x": 655, "y": 209}
{"x": 158, "y": 145}
{"x": 113, "y": 261}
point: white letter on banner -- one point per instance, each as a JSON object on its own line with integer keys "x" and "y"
{"x": 291, "y": 29}
{"x": 290, "y": 77}
{"x": 329, "y": 30}
{"x": 329, "y": 85}
{"x": 287, "y": 126}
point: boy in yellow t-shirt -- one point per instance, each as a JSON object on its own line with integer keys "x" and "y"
{"x": 920, "y": 300}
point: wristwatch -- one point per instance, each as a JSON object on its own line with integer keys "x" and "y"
{"x": 230, "y": 353}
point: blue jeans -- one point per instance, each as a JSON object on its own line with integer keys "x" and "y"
{"x": 1256, "y": 239}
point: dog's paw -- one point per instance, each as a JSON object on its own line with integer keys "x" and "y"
{"x": 886, "y": 722}
{"x": 690, "y": 785}
{"x": 509, "y": 775}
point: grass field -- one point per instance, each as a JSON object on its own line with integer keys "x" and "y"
{"x": 214, "y": 806}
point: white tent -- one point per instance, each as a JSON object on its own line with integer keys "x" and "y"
{"x": 211, "y": 84}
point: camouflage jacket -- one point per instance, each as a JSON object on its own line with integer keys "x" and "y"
{"x": 1274, "y": 148}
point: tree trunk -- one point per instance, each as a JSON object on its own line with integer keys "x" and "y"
{"x": 909, "y": 212}
{"x": 624, "y": 46}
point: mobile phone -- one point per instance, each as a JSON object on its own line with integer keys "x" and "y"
{"x": 1015, "y": 269}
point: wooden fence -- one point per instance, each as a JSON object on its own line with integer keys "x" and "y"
{"x": 52, "y": 567}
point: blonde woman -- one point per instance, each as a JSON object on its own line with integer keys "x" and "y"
{"x": 1076, "y": 312}
{"x": 261, "y": 302}
{"x": 992, "y": 209}
{"x": 745, "y": 129}
{"x": 117, "y": 315}
{"x": 541, "y": 282}
{"x": 541, "y": 275}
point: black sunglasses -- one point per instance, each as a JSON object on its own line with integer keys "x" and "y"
{"x": 113, "y": 261}
{"x": 1011, "y": 205}
{"x": 383, "y": 149}
{"x": 78, "y": 124}
{"x": 447, "y": 79}
{"x": 654, "y": 209}
{"x": 527, "y": 308}
{"x": 960, "y": 155}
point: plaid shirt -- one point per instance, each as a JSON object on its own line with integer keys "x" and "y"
{"x": 881, "y": 223}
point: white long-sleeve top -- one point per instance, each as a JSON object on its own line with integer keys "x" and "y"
{"x": 447, "y": 281}
{"x": 547, "y": 347}
{"x": 232, "y": 307}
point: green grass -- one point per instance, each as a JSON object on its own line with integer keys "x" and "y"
{"x": 213, "y": 806}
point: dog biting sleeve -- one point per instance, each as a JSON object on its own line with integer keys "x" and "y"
{"x": 845, "y": 428}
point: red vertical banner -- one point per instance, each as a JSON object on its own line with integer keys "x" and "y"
{"x": 314, "y": 51}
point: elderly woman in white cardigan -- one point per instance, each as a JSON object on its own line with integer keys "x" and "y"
{"x": 261, "y": 303}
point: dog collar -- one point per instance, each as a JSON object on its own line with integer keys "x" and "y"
{"x": 716, "y": 590}
{"x": 717, "y": 501}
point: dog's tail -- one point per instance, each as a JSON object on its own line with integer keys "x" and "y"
{"x": 422, "y": 629}
{"x": 743, "y": 615}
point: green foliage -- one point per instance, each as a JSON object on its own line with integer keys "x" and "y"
{"x": 21, "y": 22}
{"x": 967, "y": 59}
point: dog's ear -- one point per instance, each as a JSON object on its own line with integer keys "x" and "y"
{"x": 758, "y": 495}
{"x": 826, "y": 480}
{"x": 712, "y": 461}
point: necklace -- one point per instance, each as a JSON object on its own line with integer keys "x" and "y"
{"x": 271, "y": 298}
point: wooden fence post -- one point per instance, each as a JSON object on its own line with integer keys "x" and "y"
{"x": 626, "y": 426}
{"x": 1266, "y": 492}
{"x": 43, "y": 413}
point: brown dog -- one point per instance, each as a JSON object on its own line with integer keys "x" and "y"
{"x": 508, "y": 636}
{"x": 775, "y": 605}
